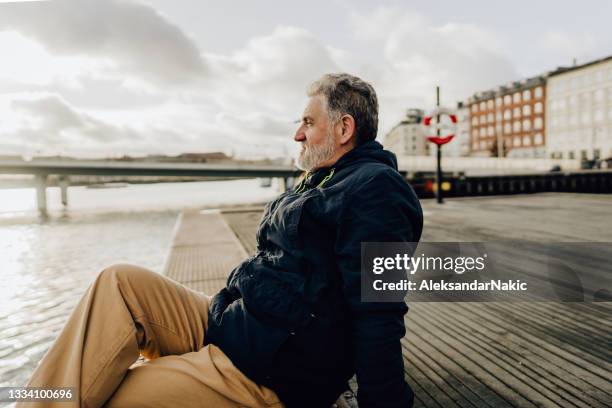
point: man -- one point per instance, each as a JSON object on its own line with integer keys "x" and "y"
{"x": 290, "y": 324}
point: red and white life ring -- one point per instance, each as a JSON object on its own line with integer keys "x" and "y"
{"x": 432, "y": 127}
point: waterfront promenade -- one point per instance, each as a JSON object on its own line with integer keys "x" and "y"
{"x": 464, "y": 354}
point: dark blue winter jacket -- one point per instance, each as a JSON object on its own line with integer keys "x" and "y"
{"x": 291, "y": 318}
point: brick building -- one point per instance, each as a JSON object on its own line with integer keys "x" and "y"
{"x": 509, "y": 121}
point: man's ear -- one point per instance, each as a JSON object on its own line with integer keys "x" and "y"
{"x": 347, "y": 123}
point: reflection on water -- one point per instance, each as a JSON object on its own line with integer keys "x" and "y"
{"x": 47, "y": 263}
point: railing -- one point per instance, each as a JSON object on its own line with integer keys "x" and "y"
{"x": 586, "y": 181}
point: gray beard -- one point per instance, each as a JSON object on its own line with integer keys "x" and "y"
{"x": 312, "y": 156}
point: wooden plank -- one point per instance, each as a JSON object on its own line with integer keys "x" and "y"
{"x": 560, "y": 379}
{"x": 203, "y": 252}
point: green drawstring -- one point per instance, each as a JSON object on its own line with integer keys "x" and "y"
{"x": 327, "y": 178}
{"x": 302, "y": 186}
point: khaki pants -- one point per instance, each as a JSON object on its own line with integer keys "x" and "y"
{"x": 128, "y": 311}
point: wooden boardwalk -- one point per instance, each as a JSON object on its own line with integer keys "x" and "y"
{"x": 465, "y": 354}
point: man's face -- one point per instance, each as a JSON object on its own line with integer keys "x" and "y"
{"x": 315, "y": 135}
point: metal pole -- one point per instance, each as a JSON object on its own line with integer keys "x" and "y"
{"x": 439, "y": 154}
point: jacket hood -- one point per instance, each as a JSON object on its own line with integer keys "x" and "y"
{"x": 368, "y": 152}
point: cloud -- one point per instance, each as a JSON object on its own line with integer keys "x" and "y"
{"x": 91, "y": 99}
{"x": 44, "y": 122}
{"x": 562, "y": 47}
{"x": 271, "y": 72}
{"x": 130, "y": 37}
{"x": 260, "y": 89}
{"x": 416, "y": 54}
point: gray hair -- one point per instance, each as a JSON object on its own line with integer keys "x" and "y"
{"x": 347, "y": 94}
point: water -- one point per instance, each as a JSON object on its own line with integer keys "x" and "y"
{"x": 46, "y": 264}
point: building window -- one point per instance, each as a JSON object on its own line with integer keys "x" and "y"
{"x": 596, "y": 154}
{"x": 574, "y": 83}
{"x": 538, "y": 92}
{"x": 526, "y": 110}
{"x": 507, "y": 114}
{"x": 537, "y": 123}
{"x": 583, "y": 155}
{"x": 526, "y": 141}
{"x": 573, "y": 119}
{"x": 507, "y": 100}
{"x": 507, "y": 128}
{"x": 516, "y": 112}
{"x": 474, "y": 133}
{"x": 483, "y": 106}
{"x": 490, "y": 118}
{"x": 498, "y": 116}
{"x": 585, "y": 98}
{"x": 490, "y": 131}
{"x": 475, "y": 108}
{"x": 483, "y": 144}
{"x": 598, "y": 115}
{"x": 475, "y": 121}
{"x": 537, "y": 108}
{"x": 475, "y": 146}
{"x": 585, "y": 117}
{"x": 516, "y": 98}
{"x": 589, "y": 79}
{"x": 537, "y": 139}
{"x": 570, "y": 155}
{"x": 498, "y": 101}
{"x": 517, "y": 141}
{"x": 526, "y": 125}
{"x": 599, "y": 95}
{"x": 526, "y": 95}
{"x": 516, "y": 126}
{"x": 483, "y": 132}
{"x": 490, "y": 104}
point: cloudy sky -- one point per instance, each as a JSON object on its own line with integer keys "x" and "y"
{"x": 112, "y": 77}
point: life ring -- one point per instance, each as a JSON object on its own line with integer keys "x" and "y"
{"x": 432, "y": 127}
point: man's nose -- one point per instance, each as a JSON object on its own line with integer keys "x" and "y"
{"x": 299, "y": 136}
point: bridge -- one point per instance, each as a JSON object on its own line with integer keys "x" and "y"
{"x": 41, "y": 169}
{"x": 503, "y": 179}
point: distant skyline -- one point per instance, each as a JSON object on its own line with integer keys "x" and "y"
{"x": 95, "y": 78}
